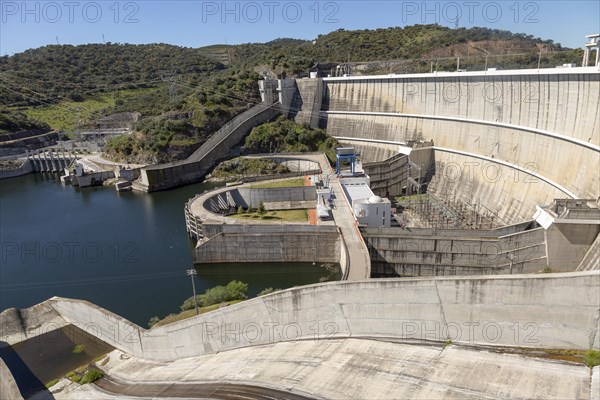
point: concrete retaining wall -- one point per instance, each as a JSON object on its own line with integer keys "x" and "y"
{"x": 217, "y": 148}
{"x": 523, "y": 311}
{"x": 436, "y": 252}
{"x": 254, "y": 197}
{"x": 265, "y": 243}
{"x": 23, "y": 169}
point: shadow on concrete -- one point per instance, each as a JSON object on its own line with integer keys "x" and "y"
{"x": 27, "y": 382}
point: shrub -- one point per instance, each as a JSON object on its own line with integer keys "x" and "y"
{"x": 153, "y": 321}
{"x": 78, "y": 349}
{"x": 91, "y": 376}
{"x": 592, "y": 358}
{"x": 236, "y": 290}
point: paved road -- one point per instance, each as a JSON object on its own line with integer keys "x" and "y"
{"x": 360, "y": 262}
{"x": 225, "y": 391}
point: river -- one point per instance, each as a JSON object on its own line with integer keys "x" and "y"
{"x": 127, "y": 252}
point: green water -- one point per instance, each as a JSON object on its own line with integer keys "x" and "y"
{"x": 127, "y": 252}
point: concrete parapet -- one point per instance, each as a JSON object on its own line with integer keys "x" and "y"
{"x": 533, "y": 311}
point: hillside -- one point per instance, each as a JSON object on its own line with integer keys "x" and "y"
{"x": 53, "y": 73}
{"x": 417, "y": 42}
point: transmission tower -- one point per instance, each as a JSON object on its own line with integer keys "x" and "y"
{"x": 172, "y": 79}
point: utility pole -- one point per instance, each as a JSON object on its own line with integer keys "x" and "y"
{"x": 191, "y": 273}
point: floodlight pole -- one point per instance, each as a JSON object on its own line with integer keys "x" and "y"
{"x": 191, "y": 273}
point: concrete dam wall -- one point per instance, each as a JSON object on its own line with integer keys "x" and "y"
{"x": 533, "y": 311}
{"x": 514, "y": 139}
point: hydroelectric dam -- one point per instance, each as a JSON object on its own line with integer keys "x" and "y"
{"x": 521, "y": 148}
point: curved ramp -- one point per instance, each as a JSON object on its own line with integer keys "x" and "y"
{"x": 170, "y": 175}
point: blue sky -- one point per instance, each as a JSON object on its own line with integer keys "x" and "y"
{"x": 33, "y": 24}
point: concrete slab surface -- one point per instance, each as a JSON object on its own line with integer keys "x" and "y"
{"x": 359, "y": 369}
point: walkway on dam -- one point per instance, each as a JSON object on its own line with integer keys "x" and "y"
{"x": 341, "y": 369}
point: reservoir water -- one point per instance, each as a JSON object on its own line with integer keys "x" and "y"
{"x": 127, "y": 252}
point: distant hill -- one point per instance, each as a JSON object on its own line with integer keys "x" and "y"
{"x": 409, "y": 43}
{"x": 58, "y": 72}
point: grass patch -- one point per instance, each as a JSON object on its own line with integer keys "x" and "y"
{"x": 169, "y": 319}
{"x": 592, "y": 358}
{"x": 296, "y": 182}
{"x": 65, "y": 115}
{"x": 80, "y": 348}
{"x": 280, "y": 215}
{"x": 52, "y": 383}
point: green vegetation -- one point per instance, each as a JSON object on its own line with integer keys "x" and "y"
{"x": 240, "y": 167}
{"x": 172, "y": 130}
{"x": 15, "y": 121}
{"x": 52, "y": 383}
{"x": 55, "y": 73}
{"x": 169, "y": 319}
{"x": 235, "y": 290}
{"x": 286, "y": 136}
{"x": 296, "y": 182}
{"x": 74, "y": 377}
{"x": 279, "y": 215}
{"x": 91, "y": 376}
{"x": 592, "y": 358}
{"x": 293, "y": 56}
{"x": 80, "y": 348}
{"x": 266, "y": 291}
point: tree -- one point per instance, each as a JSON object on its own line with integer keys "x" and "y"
{"x": 216, "y": 295}
{"x": 236, "y": 290}
{"x": 261, "y": 208}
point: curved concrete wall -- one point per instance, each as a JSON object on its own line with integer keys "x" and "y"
{"x": 547, "y": 121}
{"x": 519, "y": 310}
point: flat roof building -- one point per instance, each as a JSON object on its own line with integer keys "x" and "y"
{"x": 368, "y": 209}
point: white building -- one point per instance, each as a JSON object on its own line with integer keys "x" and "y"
{"x": 369, "y": 209}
